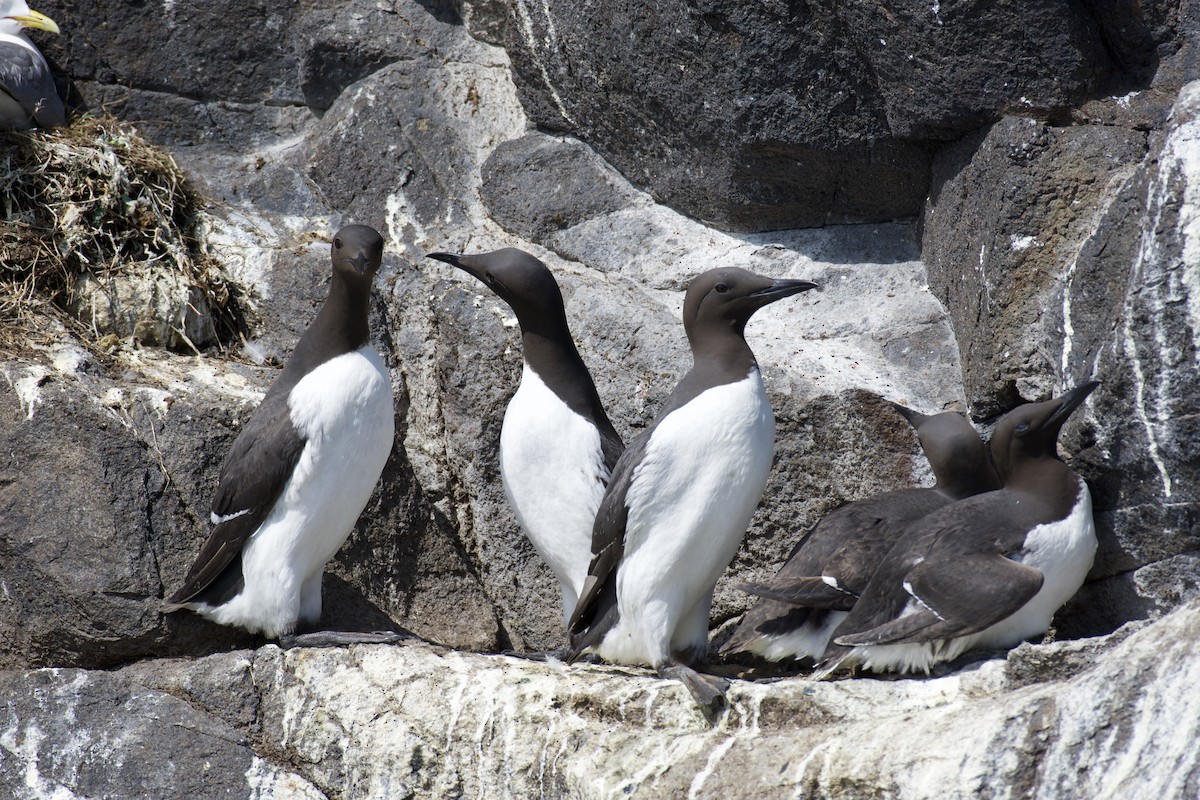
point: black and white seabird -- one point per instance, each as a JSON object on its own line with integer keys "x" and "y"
{"x": 557, "y": 446}
{"x": 303, "y": 468}
{"x": 827, "y": 571}
{"x": 682, "y": 494}
{"x": 28, "y": 97}
{"x": 986, "y": 572}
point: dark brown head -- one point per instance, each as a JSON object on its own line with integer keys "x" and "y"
{"x": 1030, "y": 432}
{"x": 723, "y": 300}
{"x": 955, "y": 452}
{"x": 520, "y": 280}
{"x": 357, "y": 252}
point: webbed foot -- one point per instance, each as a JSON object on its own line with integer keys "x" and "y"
{"x": 707, "y": 690}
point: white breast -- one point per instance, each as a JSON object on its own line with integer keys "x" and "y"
{"x": 344, "y": 410}
{"x": 554, "y": 477}
{"x": 690, "y": 502}
{"x": 1064, "y": 552}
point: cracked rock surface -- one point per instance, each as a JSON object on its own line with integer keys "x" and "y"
{"x": 412, "y": 720}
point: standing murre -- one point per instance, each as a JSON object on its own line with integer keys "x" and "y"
{"x": 557, "y": 446}
{"x": 682, "y": 494}
{"x": 304, "y": 466}
{"x": 829, "y": 568}
{"x": 986, "y": 572}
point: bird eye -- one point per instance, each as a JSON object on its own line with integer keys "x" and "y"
{"x": 721, "y": 288}
{"x": 337, "y": 242}
{"x": 1021, "y": 428}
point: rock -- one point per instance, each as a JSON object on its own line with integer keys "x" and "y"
{"x": 1077, "y": 280}
{"x": 197, "y": 52}
{"x": 1147, "y": 345}
{"x": 92, "y": 734}
{"x": 1021, "y": 198}
{"x": 1144, "y": 593}
{"x": 1069, "y": 719}
{"x": 486, "y": 20}
{"x": 536, "y": 185}
{"x": 945, "y": 70}
{"x": 154, "y": 308}
{"x": 410, "y": 166}
{"x": 750, "y": 117}
{"x": 86, "y": 502}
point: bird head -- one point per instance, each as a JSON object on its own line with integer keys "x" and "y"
{"x": 16, "y": 14}
{"x": 727, "y": 297}
{"x": 357, "y": 252}
{"x": 517, "y": 278}
{"x": 1030, "y": 431}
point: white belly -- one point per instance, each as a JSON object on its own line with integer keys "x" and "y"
{"x": 690, "y": 502}
{"x": 1063, "y": 551}
{"x": 554, "y": 477}
{"x": 344, "y": 410}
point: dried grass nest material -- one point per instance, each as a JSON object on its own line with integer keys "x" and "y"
{"x": 100, "y": 233}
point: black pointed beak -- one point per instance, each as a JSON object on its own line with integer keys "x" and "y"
{"x": 457, "y": 260}
{"x": 780, "y": 289}
{"x": 452, "y": 259}
{"x": 1068, "y": 402}
{"x": 914, "y": 417}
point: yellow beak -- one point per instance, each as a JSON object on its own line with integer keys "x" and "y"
{"x": 36, "y": 20}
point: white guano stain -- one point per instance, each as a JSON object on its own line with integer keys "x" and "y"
{"x": 28, "y": 386}
{"x": 527, "y": 31}
{"x": 746, "y": 711}
{"x": 1159, "y": 282}
{"x": 400, "y": 214}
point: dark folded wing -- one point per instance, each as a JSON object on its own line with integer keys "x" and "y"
{"x": 253, "y": 477}
{"x": 810, "y": 592}
{"x": 867, "y": 531}
{"x": 594, "y": 612}
{"x": 25, "y": 75}
{"x": 960, "y": 596}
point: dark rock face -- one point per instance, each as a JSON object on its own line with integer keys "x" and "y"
{"x": 756, "y": 117}
{"x": 943, "y": 70}
{"x": 1143, "y": 337}
{"x": 191, "y": 49}
{"x": 537, "y": 185}
{"x": 86, "y": 504}
{"x": 753, "y": 117}
{"x": 1005, "y": 214}
{"x": 98, "y": 734}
